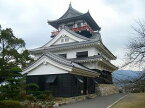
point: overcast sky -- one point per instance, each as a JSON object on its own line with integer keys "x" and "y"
{"x": 28, "y": 19}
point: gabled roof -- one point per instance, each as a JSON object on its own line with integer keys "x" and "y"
{"x": 71, "y": 33}
{"x": 62, "y": 61}
{"x": 71, "y": 12}
{"x": 95, "y": 38}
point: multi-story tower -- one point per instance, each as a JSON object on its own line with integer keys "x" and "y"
{"x": 76, "y": 53}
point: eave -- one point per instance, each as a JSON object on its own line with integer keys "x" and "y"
{"x": 65, "y": 46}
{"x": 87, "y": 59}
{"x": 105, "y": 50}
{"x": 87, "y": 17}
{"x": 59, "y": 62}
{"x": 108, "y": 64}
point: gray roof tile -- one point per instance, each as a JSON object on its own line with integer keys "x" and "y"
{"x": 63, "y": 61}
{"x": 71, "y": 12}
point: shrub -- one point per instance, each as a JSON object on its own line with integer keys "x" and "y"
{"x": 30, "y": 98}
{"x": 32, "y": 87}
{"x": 10, "y": 104}
{"x": 41, "y": 97}
{"x": 49, "y": 96}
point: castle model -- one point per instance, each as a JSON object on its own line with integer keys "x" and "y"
{"x": 75, "y": 60}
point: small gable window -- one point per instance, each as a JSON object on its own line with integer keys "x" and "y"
{"x": 66, "y": 39}
{"x": 62, "y": 40}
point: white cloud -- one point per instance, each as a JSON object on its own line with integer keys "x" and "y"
{"x": 28, "y": 19}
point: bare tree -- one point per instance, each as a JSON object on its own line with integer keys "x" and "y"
{"x": 136, "y": 47}
{"x": 136, "y": 57}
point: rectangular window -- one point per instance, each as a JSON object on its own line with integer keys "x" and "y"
{"x": 62, "y": 40}
{"x": 82, "y": 54}
{"x": 63, "y": 55}
{"x": 66, "y": 39}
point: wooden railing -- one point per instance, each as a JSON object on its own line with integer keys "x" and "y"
{"x": 85, "y": 27}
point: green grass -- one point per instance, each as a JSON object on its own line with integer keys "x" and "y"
{"x": 133, "y": 100}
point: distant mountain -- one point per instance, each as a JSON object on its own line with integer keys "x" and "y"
{"x": 125, "y": 74}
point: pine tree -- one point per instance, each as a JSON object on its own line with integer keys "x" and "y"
{"x": 12, "y": 53}
{"x": 13, "y": 57}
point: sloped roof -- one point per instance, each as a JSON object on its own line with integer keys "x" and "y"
{"x": 71, "y": 12}
{"x": 62, "y": 61}
{"x": 94, "y": 39}
{"x": 66, "y": 45}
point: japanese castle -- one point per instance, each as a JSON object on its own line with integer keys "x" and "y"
{"x": 75, "y": 60}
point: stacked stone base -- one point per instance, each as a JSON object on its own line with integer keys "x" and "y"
{"x": 106, "y": 89}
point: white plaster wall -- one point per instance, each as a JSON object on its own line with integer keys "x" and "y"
{"x": 102, "y": 54}
{"x": 44, "y": 69}
{"x": 71, "y": 53}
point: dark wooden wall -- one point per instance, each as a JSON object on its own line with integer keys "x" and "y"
{"x": 65, "y": 85}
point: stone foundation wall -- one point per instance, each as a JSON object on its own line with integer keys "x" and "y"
{"x": 106, "y": 89}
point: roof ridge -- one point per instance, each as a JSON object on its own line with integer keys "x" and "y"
{"x": 72, "y": 11}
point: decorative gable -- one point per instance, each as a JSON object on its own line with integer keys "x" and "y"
{"x": 45, "y": 66}
{"x": 63, "y": 37}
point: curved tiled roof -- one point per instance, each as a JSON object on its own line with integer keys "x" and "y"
{"x": 71, "y": 12}
{"x": 66, "y": 45}
{"x": 94, "y": 39}
{"x": 62, "y": 61}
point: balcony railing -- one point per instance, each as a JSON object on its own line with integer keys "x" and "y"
{"x": 85, "y": 27}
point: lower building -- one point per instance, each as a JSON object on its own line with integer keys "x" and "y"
{"x": 62, "y": 77}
